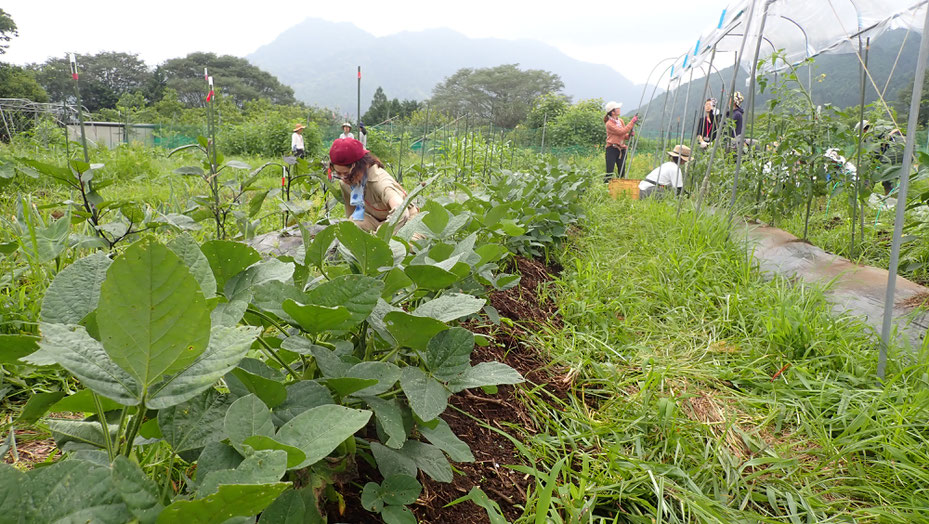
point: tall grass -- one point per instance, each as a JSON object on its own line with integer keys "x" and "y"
{"x": 704, "y": 392}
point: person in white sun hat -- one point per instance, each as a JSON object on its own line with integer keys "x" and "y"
{"x": 617, "y": 132}
{"x": 667, "y": 175}
{"x": 346, "y": 131}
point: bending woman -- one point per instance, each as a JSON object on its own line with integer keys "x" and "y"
{"x": 369, "y": 193}
{"x": 616, "y": 134}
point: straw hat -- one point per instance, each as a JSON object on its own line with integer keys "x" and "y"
{"x": 680, "y": 151}
{"x": 346, "y": 124}
{"x": 299, "y": 127}
{"x": 613, "y": 105}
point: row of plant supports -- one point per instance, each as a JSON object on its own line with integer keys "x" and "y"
{"x": 761, "y": 8}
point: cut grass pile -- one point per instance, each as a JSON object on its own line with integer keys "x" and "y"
{"x": 706, "y": 393}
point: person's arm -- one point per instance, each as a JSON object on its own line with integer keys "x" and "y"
{"x": 346, "y": 197}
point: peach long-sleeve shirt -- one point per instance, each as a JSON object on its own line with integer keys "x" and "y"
{"x": 617, "y": 132}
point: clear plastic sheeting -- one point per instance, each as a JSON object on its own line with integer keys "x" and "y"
{"x": 804, "y": 28}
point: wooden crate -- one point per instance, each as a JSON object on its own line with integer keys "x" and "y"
{"x": 624, "y": 186}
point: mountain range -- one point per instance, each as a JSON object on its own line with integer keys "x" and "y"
{"x": 836, "y": 80}
{"x": 319, "y": 60}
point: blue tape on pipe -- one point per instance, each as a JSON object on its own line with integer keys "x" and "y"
{"x": 722, "y": 18}
{"x": 697, "y": 47}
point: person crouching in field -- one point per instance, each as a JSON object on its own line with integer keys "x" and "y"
{"x": 616, "y": 134}
{"x": 369, "y": 192}
{"x": 667, "y": 175}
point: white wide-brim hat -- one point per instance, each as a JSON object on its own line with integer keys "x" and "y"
{"x": 613, "y": 105}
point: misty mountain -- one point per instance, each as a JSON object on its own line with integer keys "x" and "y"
{"x": 319, "y": 60}
{"x": 836, "y": 80}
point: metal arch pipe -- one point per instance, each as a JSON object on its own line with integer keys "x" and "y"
{"x": 649, "y": 77}
{"x": 635, "y": 142}
{"x": 806, "y": 38}
{"x": 901, "y": 197}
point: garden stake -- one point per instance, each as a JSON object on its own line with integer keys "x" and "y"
{"x": 80, "y": 112}
{"x": 664, "y": 111}
{"x": 422, "y": 145}
{"x": 358, "y": 109}
{"x": 693, "y": 135}
{"x": 915, "y": 100}
{"x": 862, "y": 66}
{"x": 544, "y": 122}
{"x": 740, "y": 138}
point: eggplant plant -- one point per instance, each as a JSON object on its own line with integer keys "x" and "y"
{"x": 225, "y": 198}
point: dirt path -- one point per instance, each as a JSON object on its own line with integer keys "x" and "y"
{"x": 856, "y": 289}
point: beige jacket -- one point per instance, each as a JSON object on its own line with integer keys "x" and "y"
{"x": 379, "y": 189}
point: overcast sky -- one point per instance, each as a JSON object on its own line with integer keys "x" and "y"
{"x": 630, "y": 36}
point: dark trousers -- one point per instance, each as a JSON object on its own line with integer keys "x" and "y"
{"x": 615, "y": 157}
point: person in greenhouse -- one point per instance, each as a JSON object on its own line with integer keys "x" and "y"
{"x": 617, "y": 132}
{"x": 667, "y": 175}
{"x": 735, "y": 115}
{"x": 706, "y": 125}
{"x": 362, "y": 134}
{"x": 296, "y": 142}
{"x": 346, "y": 131}
{"x": 370, "y": 194}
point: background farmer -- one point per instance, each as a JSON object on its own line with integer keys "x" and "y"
{"x": 369, "y": 192}
{"x": 346, "y": 131}
{"x": 296, "y": 141}
{"x": 706, "y": 125}
{"x": 616, "y": 134}
{"x": 666, "y": 175}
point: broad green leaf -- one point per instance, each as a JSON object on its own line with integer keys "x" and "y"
{"x": 138, "y": 492}
{"x": 448, "y": 353}
{"x": 82, "y": 402}
{"x": 301, "y": 396}
{"x": 52, "y": 240}
{"x": 261, "y": 467}
{"x": 185, "y": 247}
{"x": 427, "y": 397}
{"x": 242, "y": 500}
{"x": 79, "y": 431}
{"x": 246, "y": 417}
{"x": 227, "y": 259}
{"x": 227, "y": 348}
{"x": 429, "y": 459}
{"x": 435, "y": 217}
{"x": 318, "y": 248}
{"x": 313, "y": 318}
{"x": 392, "y": 462}
{"x": 345, "y": 386}
{"x": 271, "y": 392}
{"x": 76, "y": 491}
{"x": 357, "y": 293}
{"x": 260, "y": 442}
{"x": 431, "y": 277}
{"x": 385, "y": 373}
{"x": 75, "y": 291}
{"x": 217, "y": 456}
{"x": 257, "y": 274}
{"x": 400, "y": 490}
{"x": 394, "y": 281}
{"x": 14, "y": 347}
{"x": 485, "y": 374}
{"x": 37, "y": 405}
{"x": 318, "y": 431}
{"x": 450, "y": 306}
{"x": 398, "y": 515}
{"x": 237, "y": 164}
{"x": 390, "y": 416}
{"x": 228, "y": 314}
{"x": 85, "y": 358}
{"x": 13, "y": 494}
{"x": 329, "y": 362}
{"x": 371, "y": 253}
{"x": 371, "y": 498}
{"x": 445, "y": 439}
{"x": 152, "y": 317}
{"x": 288, "y": 508}
{"x": 270, "y": 297}
{"x": 411, "y": 331}
{"x": 195, "y": 423}
{"x": 490, "y": 253}
{"x": 254, "y": 205}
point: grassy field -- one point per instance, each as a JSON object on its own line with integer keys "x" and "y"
{"x": 705, "y": 393}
